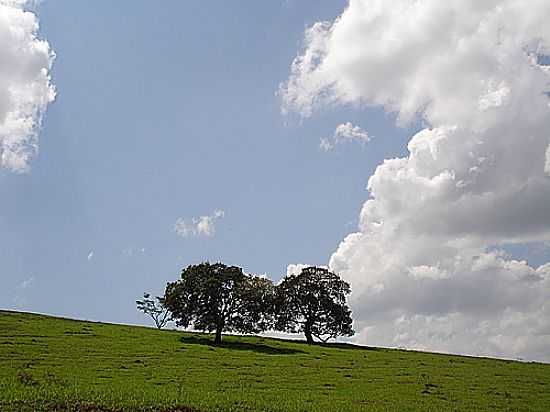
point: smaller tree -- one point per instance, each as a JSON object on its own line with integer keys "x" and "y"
{"x": 314, "y": 302}
{"x": 155, "y": 308}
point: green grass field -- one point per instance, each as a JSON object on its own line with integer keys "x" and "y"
{"x": 49, "y": 364}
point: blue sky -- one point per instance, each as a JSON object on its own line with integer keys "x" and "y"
{"x": 405, "y": 144}
{"x": 168, "y": 111}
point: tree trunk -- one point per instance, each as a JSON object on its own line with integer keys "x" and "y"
{"x": 307, "y": 332}
{"x": 218, "y": 338}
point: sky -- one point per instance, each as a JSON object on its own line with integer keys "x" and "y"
{"x": 405, "y": 144}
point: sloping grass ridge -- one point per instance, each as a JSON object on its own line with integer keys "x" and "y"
{"x": 53, "y": 364}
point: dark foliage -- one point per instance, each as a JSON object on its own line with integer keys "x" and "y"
{"x": 314, "y": 302}
{"x": 155, "y": 308}
{"x": 220, "y": 298}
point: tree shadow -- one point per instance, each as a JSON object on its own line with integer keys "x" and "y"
{"x": 334, "y": 345}
{"x": 347, "y": 346}
{"x": 239, "y": 345}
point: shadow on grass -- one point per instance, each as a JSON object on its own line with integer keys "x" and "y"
{"x": 238, "y": 345}
{"x": 333, "y": 345}
{"x": 348, "y": 346}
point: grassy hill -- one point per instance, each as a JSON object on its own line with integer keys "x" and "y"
{"x": 49, "y": 364}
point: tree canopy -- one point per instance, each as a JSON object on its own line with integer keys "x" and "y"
{"x": 220, "y": 298}
{"x": 155, "y": 308}
{"x": 314, "y": 302}
{"x": 216, "y": 297}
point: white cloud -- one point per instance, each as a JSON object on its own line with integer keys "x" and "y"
{"x": 198, "y": 226}
{"x": 325, "y": 145}
{"x": 26, "y": 283}
{"x": 131, "y": 251}
{"x": 296, "y": 268}
{"x": 349, "y": 131}
{"x": 90, "y": 255}
{"x": 427, "y": 272}
{"x": 425, "y": 265}
{"x": 25, "y": 88}
{"x": 343, "y": 132}
{"x": 20, "y": 299}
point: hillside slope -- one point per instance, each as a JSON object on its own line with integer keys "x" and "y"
{"x": 48, "y": 363}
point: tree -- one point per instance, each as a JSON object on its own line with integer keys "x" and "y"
{"x": 155, "y": 308}
{"x": 220, "y": 298}
{"x": 314, "y": 302}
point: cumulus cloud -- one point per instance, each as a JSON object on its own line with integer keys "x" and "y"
{"x": 25, "y": 88}
{"x": 198, "y": 226}
{"x": 349, "y": 131}
{"x": 343, "y": 132}
{"x": 426, "y": 265}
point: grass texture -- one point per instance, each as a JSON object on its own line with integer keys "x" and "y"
{"x": 53, "y": 364}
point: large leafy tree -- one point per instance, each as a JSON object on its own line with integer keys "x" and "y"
{"x": 220, "y": 298}
{"x": 314, "y": 302}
